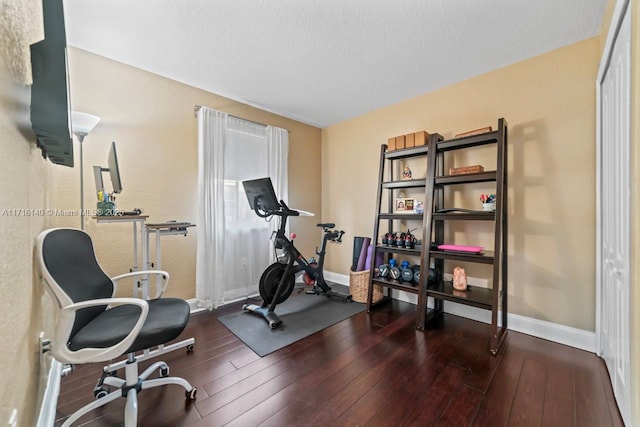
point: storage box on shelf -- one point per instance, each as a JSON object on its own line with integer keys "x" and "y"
{"x": 413, "y": 139}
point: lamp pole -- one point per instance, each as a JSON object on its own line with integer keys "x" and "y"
{"x": 81, "y": 125}
{"x": 80, "y": 139}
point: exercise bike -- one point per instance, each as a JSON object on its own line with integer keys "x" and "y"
{"x": 278, "y": 280}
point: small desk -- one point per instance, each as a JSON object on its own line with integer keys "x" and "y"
{"x": 164, "y": 229}
{"x": 136, "y": 220}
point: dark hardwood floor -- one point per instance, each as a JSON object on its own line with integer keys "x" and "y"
{"x": 372, "y": 369}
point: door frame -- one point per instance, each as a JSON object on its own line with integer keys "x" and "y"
{"x": 621, "y": 8}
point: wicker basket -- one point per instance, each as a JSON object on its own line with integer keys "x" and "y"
{"x": 359, "y": 286}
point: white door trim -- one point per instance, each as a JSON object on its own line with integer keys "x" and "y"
{"x": 621, "y": 9}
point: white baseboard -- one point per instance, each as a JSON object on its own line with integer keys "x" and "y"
{"x": 573, "y": 337}
{"x": 47, "y": 415}
{"x": 193, "y": 306}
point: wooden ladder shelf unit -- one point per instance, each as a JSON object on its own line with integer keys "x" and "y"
{"x": 495, "y": 297}
{"x": 387, "y": 159}
{"x": 434, "y": 218}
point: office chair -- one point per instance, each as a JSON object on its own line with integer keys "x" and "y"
{"x": 94, "y": 326}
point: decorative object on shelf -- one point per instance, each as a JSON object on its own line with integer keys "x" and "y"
{"x": 464, "y": 170}
{"x": 488, "y": 202}
{"x": 404, "y": 205}
{"x": 459, "y": 279}
{"x": 418, "y": 207}
{"x": 406, "y": 173}
{"x": 474, "y": 132}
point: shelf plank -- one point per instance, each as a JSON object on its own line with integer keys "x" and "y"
{"x": 396, "y": 284}
{"x": 465, "y": 216}
{"x": 468, "y": 141}
{"x": 409, "y": 183}
{"x": 396, "y": 250}
{"x": 474, "y": 296}
{"x": 466, "y": 178}
{"x": 403, "y": 153}
{"x": 485, "y": 258}
{"x": 401, "y": 216}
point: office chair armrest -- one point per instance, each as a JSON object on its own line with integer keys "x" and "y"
{"x": 164, "y": 274}
{"x": 85, "y": 355}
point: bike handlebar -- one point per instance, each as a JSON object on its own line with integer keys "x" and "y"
{"x": 335, "y": 235}
{"x": 283, "y": 211}
{"x": 286, "y": 211}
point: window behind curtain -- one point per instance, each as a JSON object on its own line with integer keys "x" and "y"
{"x": 247, "y": 236}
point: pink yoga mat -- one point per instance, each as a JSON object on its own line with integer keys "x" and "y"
{"x": 461, "y": 248}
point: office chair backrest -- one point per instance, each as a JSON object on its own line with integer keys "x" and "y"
{"x": 69, "y": 266}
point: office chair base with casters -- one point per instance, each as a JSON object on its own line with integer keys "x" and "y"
{"x": 129, "y": 388}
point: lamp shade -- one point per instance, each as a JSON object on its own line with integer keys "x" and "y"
{"x": 83, "y": 123}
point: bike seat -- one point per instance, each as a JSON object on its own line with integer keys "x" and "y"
{"x": 326, "y": 225}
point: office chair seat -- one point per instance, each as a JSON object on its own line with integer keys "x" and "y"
{"x": 166, "y": 320}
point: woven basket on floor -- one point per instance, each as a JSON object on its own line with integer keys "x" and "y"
{"x": 359, "y": 286}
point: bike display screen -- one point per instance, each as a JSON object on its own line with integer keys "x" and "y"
{"x": 261, "y": 195}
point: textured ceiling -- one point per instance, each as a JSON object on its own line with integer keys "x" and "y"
{"x": 325, "y": 61}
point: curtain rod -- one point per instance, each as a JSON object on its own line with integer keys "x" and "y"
{"x": 197, "y": 108}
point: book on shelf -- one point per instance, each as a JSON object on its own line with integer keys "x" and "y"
{"x": 474, "y": 132}
{"x": 463, "y": 170}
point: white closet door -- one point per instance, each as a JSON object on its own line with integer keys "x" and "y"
{"x": 615, "y": 186}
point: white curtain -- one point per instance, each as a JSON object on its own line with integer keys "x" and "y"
{"x": 277, "y": 165}
{"x": 210, "y": 269}
{"x": 236, "y": 247}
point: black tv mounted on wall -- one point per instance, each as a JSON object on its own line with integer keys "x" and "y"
{"x": 50, "y": 107}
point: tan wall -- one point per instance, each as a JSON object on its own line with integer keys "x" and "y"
{"x": 23, "y": 177}
{"x": 151, "y": 119}
{"x": 549, "y": 103}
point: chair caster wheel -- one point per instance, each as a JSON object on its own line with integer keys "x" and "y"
{"x": 191, "y": 394}
{"x": 164, "y": 372}
{"x": 100, "y": 392}
{"x": 190, "y": 348}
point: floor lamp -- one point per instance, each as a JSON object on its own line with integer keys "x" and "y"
{"x": 81, "y": 125}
